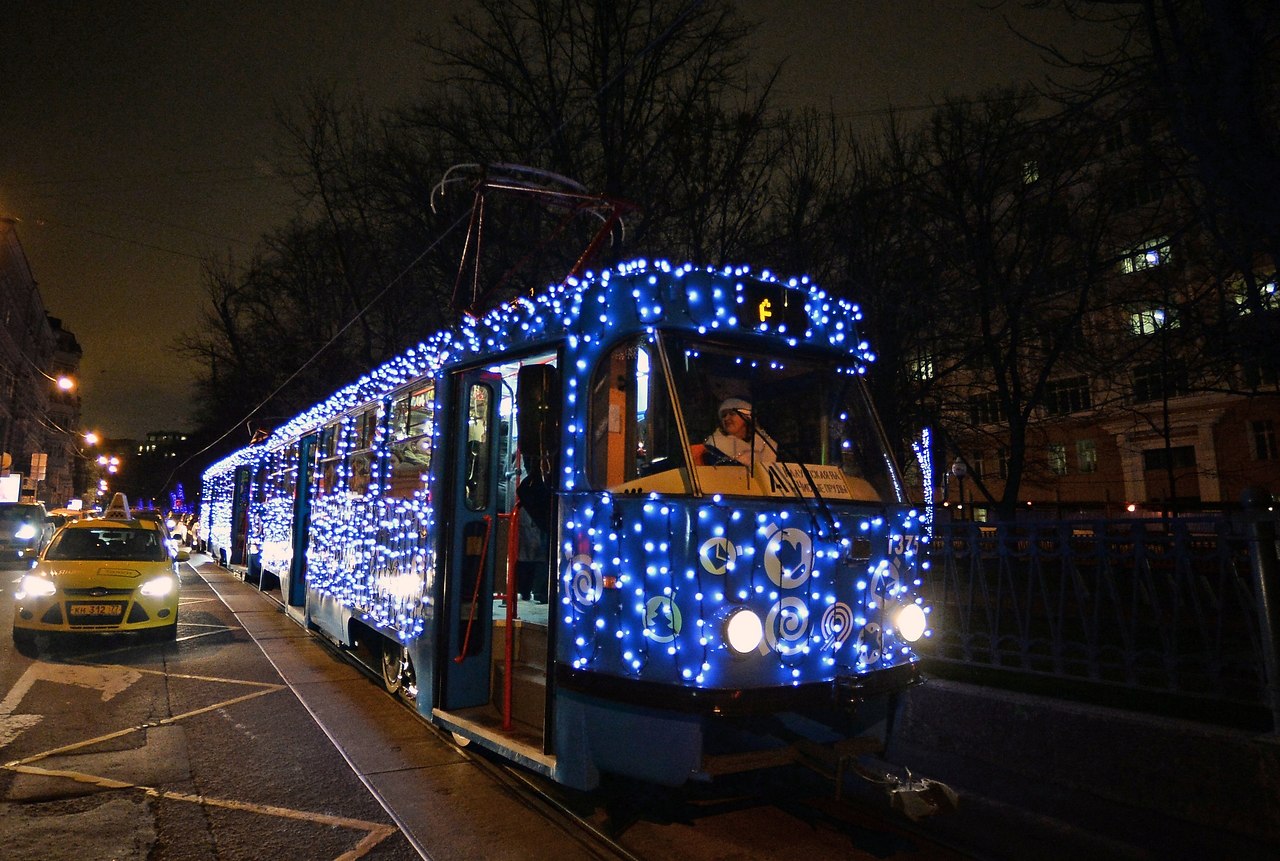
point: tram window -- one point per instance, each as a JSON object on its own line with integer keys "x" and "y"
{"x": 633, "y": 427}
{"x": 360, "y": 460}
{"x": 412, "y": 425}
{"x": 289, "y": 469}
{"x": 479, "y": 456}
{"x": 327, "y": 454}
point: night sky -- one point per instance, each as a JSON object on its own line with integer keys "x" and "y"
{"x": 139, "y": 137}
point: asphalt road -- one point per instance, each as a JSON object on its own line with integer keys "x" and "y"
{"x": 245, "y": 739}
{"x": 249, "y": 738}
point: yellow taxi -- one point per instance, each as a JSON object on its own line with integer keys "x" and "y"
{"x": 112, "y": 573}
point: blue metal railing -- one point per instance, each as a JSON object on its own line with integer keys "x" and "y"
{"x": 1165, "y": 606}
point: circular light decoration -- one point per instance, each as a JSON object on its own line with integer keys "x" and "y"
{"x": 743, "y": 631}
{"x": 910, "y": 622}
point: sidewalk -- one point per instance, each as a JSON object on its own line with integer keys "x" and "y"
{"x": 1051, "y": 779}
{"x": 447, "y": 806}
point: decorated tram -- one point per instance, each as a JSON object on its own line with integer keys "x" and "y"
{"x": 530, "y": 525}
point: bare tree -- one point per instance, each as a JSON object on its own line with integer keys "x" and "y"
{"x": 1018, "y": 243}
{"x": 651, "y": 102}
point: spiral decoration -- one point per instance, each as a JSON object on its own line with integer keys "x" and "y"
{"x": 836, "y": 625}
{"x": 786, "y": 626}
{"x": 586, "y": 585}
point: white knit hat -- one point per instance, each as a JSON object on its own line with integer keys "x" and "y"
{"x": 737, "y": 405}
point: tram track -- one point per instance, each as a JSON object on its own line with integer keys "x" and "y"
{"x": 523, "y": 787}
{"x": 610, "y": 824}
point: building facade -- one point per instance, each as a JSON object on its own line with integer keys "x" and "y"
{"x": 39, "y": 418}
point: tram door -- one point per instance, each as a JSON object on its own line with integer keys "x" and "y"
{"x": 469, "y": 586}
{"x": 297, "y": 587}
{"x": 239, "y": 516}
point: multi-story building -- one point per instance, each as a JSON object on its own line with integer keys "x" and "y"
{"x": 1167, "y": 395}
{"x": 39, "y": 417}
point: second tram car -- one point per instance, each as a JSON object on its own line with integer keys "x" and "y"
{"x": 558, "y": 449}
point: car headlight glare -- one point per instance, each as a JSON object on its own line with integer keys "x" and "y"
{"x": 32, "y": 586}
{"x": 157, "y": 587}
{"x": 743, "y": 631}
{"x": 25, "y": 532}
{"x": 910, "y": 622}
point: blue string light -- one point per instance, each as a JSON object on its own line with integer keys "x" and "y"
{"x": 646, "y": 584}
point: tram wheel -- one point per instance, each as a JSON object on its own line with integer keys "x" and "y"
{"x": 397, "y": 671}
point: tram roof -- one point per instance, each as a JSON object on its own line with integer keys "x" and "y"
{"x": 634, "y": 296}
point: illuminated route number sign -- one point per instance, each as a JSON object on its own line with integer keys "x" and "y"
{"x": 753, "y": 305}
{"x": 771, "y": 305}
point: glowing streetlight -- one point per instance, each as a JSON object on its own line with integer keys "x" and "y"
{"x": 65, "y": 383}
{"x": 90, "y": 438}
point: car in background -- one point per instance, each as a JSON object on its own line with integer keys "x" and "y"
{"x": 25, "y": 528}
{"x": 115, "y": 573}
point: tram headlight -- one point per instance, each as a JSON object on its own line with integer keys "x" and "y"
{"x": 910, "y": 622}
{"x": 743, "y": 631}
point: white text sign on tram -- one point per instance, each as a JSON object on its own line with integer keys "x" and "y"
{"x": 790, "y": 479}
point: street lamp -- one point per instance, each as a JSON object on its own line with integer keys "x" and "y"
{"x": 959, "y": 470}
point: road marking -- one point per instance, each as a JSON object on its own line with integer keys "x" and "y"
{"x": 375, "y": 832}
{"x": 109, "y": 680}
{"x": 113, "y": 679}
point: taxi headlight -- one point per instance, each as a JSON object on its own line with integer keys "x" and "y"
{"x": 157, "y": 587}
{"x": 910, "y": 622}
{"x": 31, "y": 586}
{"x": 743, "y": 631}
{"x": 25, "y": 532}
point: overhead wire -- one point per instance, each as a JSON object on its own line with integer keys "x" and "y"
{"x": 653, "y": 43}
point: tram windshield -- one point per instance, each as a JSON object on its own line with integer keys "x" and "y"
{"x": 754, "y": 424}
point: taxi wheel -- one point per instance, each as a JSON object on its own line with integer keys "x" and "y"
{"x": 25, "y": 642}
{"x": 167, "y": 634}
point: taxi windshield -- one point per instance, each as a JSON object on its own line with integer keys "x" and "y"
{"x": 107, "y": 543}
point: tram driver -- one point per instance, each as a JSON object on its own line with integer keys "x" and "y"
{"x": 738, "y": 439}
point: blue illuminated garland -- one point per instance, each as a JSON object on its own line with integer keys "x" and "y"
{"x": 645, "y": 599}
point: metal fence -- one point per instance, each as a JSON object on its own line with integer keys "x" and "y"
{"x": 1172, "y": 607}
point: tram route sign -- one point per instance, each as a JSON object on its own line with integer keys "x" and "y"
{"x": 790, "y": 479}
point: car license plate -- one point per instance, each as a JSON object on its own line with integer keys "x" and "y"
{"x": 90, "y": 613}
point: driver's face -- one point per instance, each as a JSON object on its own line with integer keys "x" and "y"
{"x": 733, "y": 424}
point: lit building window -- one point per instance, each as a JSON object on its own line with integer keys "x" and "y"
{"x": 1151, "y": 320}
{"x": 1153, "y": 252}
{"x": 1030, "y": 172}
{"x": 1268, "y": 297}
{"x": 1058, "y": 458}
{"x": 922, "y": 367}
{"x": 1086, "y": 455}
